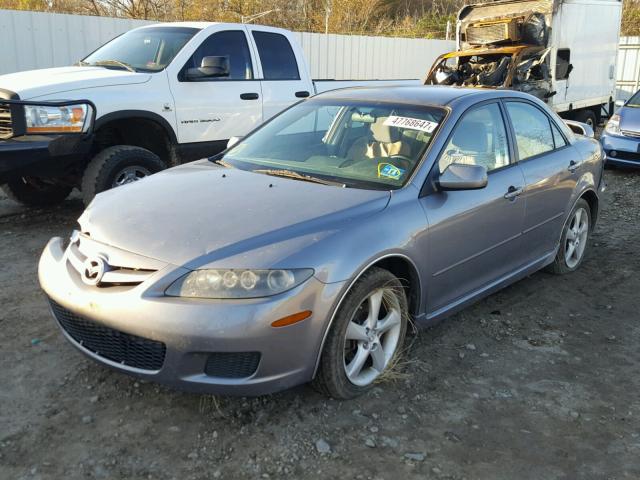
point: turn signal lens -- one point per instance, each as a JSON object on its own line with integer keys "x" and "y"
{"x": 291, "y": 319}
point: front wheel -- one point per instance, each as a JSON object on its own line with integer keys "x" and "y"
{"x": 366, "y": 336}
{"x": 36, "y": 192}
{"x": 117, "y": 166}
{"x": 573, "y": 243}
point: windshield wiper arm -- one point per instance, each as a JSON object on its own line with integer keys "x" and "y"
{"x": 298, "y": 176}
{"x": 116, "y": 63}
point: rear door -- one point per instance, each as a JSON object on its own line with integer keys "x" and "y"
{"x": 283, "y": 82}
{"x": 475, "y": 235}
{"x": 215, "y": 109}
{"x": 551, "y": 169}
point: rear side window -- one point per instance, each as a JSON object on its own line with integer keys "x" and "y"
{"x": 276, "y": 54}
{"x": 532, "y": 129}
{"x": 232, "y": 44}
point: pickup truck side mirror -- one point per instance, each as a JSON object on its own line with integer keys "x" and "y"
{"x": 462, "y": 176}
{"x": 210, "y": 67}
{"x": 619, "y": 103}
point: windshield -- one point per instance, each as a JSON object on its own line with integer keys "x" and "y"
{"x": 362, "y": 145}
{"x": 145, "y": 49}
{"x": 634, "y": 101}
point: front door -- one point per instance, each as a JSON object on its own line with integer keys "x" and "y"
{"x": 475, "y": 235}
{"x": 216, "y": 109}
{"x": 550, "y": 167}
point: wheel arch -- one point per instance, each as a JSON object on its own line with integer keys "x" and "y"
{"x": 592, "y": 199}
{"x": 138, "y": 128}
{"x": 402, "y": 267}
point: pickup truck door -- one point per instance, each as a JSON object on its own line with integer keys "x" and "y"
{"x": 284, "y": 74}
{"x": 216, "y": 109}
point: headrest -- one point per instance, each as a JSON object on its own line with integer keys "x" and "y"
{"x": 471, "y": 137}
{"x": 383, "y": 133}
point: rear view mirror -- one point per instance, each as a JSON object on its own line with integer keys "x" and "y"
{"x": 461, "y": 176}
{"x": 210, "y": 67}
{"x": 580, "y": 128}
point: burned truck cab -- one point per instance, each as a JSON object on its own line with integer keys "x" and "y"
{"x": 500, "y": 45}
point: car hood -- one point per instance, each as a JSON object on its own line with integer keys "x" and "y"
{"x": 183, "y": 215}
{"x": 630, "y": 119}
{"x": 52, "y": 81}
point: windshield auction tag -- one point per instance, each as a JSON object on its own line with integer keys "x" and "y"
{"x": 412, "y": 123}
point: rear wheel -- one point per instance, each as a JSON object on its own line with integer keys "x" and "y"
{"x": 366, "y": 336}
{"x": 117, "y": 166}
{"x": 573, "y": 243}
{"x": 586, "y": 116}
{"x": 36, "y": 192}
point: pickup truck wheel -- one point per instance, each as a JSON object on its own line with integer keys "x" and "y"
{"x": 36, "y": 192}
{"x": 366, "y": 336}
{"x": 586, "y": 116}
{"x": 116, "y": 166}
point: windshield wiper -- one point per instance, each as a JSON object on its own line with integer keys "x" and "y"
{"x": 299, "y": 176}
{"x": 113, "y": 63}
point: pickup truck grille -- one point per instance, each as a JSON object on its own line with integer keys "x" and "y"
{"x": 6, "y": 124}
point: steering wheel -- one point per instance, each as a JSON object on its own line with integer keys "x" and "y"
{"x": 402, "y": 158}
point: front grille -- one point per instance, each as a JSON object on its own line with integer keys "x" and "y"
{"x": 6, "y": 124}
{"x": 232, "y": 364}
{"x": 120, "y": 347}
{"x": 622, "y": 155}
{"x": 629, "y": 133}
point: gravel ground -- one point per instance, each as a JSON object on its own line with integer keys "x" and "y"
{"x": 540, "y": 381}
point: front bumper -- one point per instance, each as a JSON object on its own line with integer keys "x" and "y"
{"x": 195, "y": 331}
{"x": 41, "y": 156}
{"x": 621, "y": 150}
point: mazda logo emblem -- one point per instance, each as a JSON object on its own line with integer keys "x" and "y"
{"x": 93, "y": 270}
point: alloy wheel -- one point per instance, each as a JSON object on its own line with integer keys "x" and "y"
{"x": 129, "y": 175}
{"x": 576, "y": 238}
{"x": 372, "y": 336}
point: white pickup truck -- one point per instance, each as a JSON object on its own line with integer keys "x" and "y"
{"x": 152, "y": 98}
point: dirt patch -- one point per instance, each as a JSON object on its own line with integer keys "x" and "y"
{"x": 540, "y": 381}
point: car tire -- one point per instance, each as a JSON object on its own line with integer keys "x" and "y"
{"x": 571, "y": 254}
{"x": 338, "y": 375}
{"x": 586, "y": 116}
{"x": 115, "y": 166}
{"x": 36, "y": 192}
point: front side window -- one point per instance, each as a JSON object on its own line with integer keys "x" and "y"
{"x": 358, "y": 144}
{"x": 532, "y": 129}
{"x": 231, "y": 44}
{"x": 480, "y": 138}
{"x": 145, "y": 49}
{"x": 277, "y": 57}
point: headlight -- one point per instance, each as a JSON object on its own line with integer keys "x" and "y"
{"x": 67, "y": 119}
{"x": 237, "y": 283}
{"x": 613, "y": 125}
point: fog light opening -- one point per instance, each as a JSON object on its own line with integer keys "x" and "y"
{"x": 613, "y": 153}
{"x": 291, "y": 319}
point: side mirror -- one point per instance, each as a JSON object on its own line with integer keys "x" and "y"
{"x": 210, "y": 67}
{"x": 461, "y": 176}
{"x": 233, "y": 141}
{"x": 580, "y": 128}
{"x": 619, "y": 103}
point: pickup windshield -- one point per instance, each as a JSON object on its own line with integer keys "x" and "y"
{"x": 144, "y": 50}
{"x": 355, "y": 144}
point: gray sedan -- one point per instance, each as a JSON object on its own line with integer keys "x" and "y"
{"x": 303, "y": 252}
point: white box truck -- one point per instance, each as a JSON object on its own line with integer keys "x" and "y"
{"x": 562, "y": 51}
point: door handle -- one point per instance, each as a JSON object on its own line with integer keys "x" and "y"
{"x": 249, "y": 96}
{"x": 302, "y": 94}
{"x": 573, "y": 166}
{"x": 513, "y": 192}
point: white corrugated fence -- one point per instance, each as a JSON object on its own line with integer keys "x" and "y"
{"x": 31, "y": 40}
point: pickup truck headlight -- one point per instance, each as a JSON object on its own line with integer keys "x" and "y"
{"x": 48, "y": 119}
{"x": 237, "y": 283}
{"x": 613, "y": 125}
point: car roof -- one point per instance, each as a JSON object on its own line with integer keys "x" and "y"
{"x": 433, "y": 95}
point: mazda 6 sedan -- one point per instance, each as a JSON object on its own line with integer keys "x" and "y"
{"x": 303, "y": 251}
